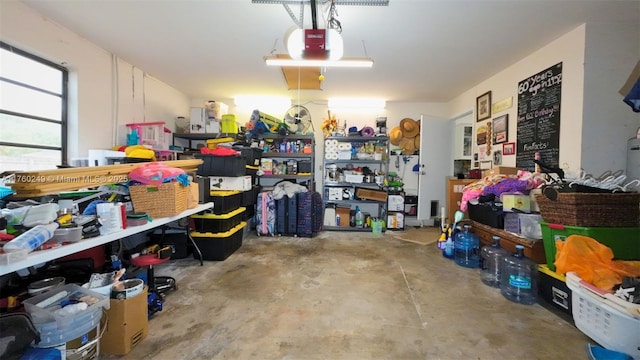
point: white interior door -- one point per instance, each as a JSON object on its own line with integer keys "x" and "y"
{"x": 436, "y": 164}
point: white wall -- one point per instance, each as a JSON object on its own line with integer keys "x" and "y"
{"x": 92, "y": 81}
{"x": 610, "y": 55}
{"x": 568, "y": 49}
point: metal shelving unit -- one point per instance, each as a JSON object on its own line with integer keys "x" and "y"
{"x": 272, "y": 139}
{"x": 380, "y": 145}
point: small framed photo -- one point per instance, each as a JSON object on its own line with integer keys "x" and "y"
{"x": 509, "y": 148}
{"x": 486, "y": 165}
{"x": 501, "y": 129}
{"x": 483, "y": 106}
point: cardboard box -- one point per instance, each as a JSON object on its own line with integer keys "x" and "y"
{"x": 514, "y": 201}
{"x": 266, "y": 165}
{"x": 500, "y": 170}
{"x": 198, "y": 121}
{"x": 239, "y": 183}
{"x": 395, "y": 221}
{"x": 344, "y": 213}
{"x": 396, "y": 203}
{"x": 128, "y": 325}
{"x": 335, "y": 193}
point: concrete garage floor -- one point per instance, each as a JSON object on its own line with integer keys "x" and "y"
{"x": 346, "y": 295}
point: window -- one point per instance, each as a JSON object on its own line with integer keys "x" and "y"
{"x": 33, "y": 111}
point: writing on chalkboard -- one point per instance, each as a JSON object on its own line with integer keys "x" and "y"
{"x": 539, "y": 81}
{"x": 538, "y": 121}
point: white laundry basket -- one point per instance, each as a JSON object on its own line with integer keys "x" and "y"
{"x": 609, "y": 320}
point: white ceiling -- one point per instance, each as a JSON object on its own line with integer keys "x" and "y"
{"x": 424, "y": 51}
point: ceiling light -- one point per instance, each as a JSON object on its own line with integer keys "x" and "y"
{"x": 344, "y": 62}
{"x": 356, "y": 103}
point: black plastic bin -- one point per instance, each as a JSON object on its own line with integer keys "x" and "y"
{"x": 217, "y": 223}
{"x": 219, "y": 246}
{"x": 221, "y": 165}
{"x": 252, "y": 155}
{"x": 225, "y": 201}
{"x": 487, "y": 213}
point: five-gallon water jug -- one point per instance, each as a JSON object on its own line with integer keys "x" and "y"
{"x": 491, "y": 259}
{"x": 518, "y": 279}
{"x": 466, "y": 248}
{"x": 32, "y": 238}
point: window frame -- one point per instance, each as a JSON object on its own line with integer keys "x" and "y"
{"x": 64, "y": 97}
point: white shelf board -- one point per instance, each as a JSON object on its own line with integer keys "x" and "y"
{"x": 42, "y": 256}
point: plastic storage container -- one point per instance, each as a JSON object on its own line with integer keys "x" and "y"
{"x": 225, "y": 201}
{"x": 553, "y": 288}
{"x": 466, "y": 248}
{"x": 221, "y": 165}
{"x": 67, "y": 234}
{"x": 219, "y": 246}
{"x": 604, "y": 317}
{"x": 55, "y": 328}
{"x": 215, "y": 223}
{"x": 32, "y": 238}
{"x": 492, "y": 256}
{"x": 251, "y": 155}
{"x": 623, "y": 241}
{"x": 518, "y": 278}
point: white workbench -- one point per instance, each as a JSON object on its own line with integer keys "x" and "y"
{"x": 38, "y": 257}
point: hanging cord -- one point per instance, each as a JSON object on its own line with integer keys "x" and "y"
{"x": 332, "y": 22}
{"x": 365, "y": 49}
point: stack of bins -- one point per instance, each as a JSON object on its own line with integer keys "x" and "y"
{"x": 56, "y": 328}
{"x": 219, "y": 234}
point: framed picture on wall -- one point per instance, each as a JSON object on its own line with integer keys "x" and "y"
{"x": 509, "y": 148}
{"x": 501, "y": 129}
{"x": 483, "y": 106}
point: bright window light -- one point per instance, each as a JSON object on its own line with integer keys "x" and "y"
{"x": 356, "y": 103}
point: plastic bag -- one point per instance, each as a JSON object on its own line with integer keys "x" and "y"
{"x": 593, "y": 262}
{"x": 154, "y": 173}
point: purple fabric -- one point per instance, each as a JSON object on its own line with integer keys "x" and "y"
{"x": 507, "y": 185}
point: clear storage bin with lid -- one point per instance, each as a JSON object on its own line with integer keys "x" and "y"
{"x": 491, "y": 259}
{"x": 518, "y": 279}
{"x": 58, "y": 327}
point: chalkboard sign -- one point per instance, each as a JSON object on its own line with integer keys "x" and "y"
{"x": 538, "y": 125}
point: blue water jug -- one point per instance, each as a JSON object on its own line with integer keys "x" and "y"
{"x": 518, "y": 278}
{"x": 467, "y": 248}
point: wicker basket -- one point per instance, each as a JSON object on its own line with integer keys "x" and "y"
{"x": 166, "y": 200}
{"x": 591, "y": 209}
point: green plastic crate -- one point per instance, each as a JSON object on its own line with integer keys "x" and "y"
{"x": 623, "y": 241}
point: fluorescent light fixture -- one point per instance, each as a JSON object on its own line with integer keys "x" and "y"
{"x": 356, "y": 103}
{"x": 344, "y": 62}
{"x": 252, "y": 102}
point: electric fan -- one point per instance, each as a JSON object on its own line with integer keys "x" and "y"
{"x": 298, "y": 119}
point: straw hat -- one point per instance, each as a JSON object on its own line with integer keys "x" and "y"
{"x": 416, "y": 141}
{"x": 407, "y": 145}
{"x": 410, "y": 128}
{"x": 395, "y": 135}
